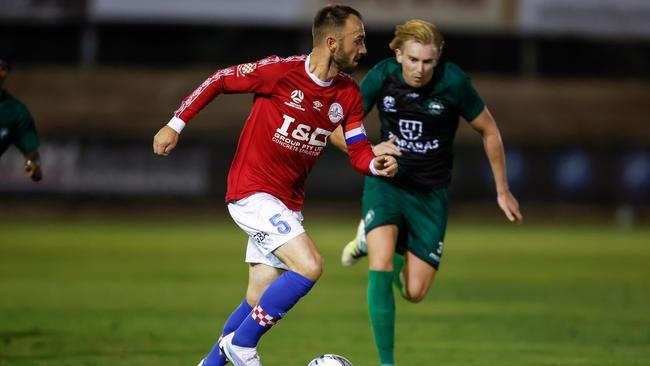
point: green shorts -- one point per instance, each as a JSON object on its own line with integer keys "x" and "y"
{"x": 421, "y": 216}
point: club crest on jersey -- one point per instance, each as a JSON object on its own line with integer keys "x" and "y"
{"x": 436, "y": 107}
{"x": 296, "y": 96}
{"x": 411, "y": 130}
{"x": 389, "y": 104}
{"x": 244, "y": 69}
{"x": 335, "y": 113}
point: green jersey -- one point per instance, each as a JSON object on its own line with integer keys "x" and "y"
{"x": 16, "y": 125}
{"x": 423, "y": 119}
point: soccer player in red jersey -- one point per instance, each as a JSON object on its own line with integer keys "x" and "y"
{"x": 298, "y": 102}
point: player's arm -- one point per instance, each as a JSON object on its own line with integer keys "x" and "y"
{"x": 486, "y": 126}
{"x": 362, "y": 157}
{"x": 243, "y": 78}
{"x": 388, "y": 147}
{"x": 337, "y": 139}
{"x": 27, "y": 142}
{"x": 167, "y": 137}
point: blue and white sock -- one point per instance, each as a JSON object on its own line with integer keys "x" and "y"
{"x": 215, "y": 357}
{"x": 281, "y": 295}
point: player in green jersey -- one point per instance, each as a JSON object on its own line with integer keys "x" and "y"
{"x": 420, "y": 100}
{"x": 17, "y": 126}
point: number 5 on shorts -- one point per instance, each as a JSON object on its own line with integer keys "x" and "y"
{"x": 282, "y": 226}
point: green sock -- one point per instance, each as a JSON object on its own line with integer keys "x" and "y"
{"x": 398, "y": 264}
{"x": 381, "y": 306}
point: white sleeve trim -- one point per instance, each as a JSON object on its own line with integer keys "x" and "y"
{"x": 373, "y": 170}
{"x": 176, "y": 124}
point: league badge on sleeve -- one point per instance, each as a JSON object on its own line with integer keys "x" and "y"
{"x": 335, "y": 113}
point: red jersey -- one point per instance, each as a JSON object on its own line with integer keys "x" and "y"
{"x": 292, "y": 115}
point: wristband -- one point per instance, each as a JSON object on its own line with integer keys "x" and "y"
{"x": 176, "y": 124}
{"x": 373, "y": 170}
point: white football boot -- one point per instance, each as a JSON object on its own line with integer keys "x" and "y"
{"x": 202, "y": 363}
{"x": 239, "y": 356}
{"x": 356, "y": 248}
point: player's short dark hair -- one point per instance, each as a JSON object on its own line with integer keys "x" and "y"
{"x": 330, "y": 17}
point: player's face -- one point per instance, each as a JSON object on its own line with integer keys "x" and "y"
{"x": 418, "y": 61}
{"x": 351, "y": 46}
{"x": 4, "y": 71}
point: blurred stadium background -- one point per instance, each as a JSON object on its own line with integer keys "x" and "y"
{"x": 567, "y": 81}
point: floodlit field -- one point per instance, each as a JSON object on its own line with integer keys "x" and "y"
{"x": 143, "y": 294}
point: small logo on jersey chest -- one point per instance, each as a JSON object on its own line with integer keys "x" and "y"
{"x": 389, "y": 104}
{"x": 317, "y": 105}
{"x": 335, "y": 113}
{"x": 296, "y": 96}
{"x": 435, "y": 107}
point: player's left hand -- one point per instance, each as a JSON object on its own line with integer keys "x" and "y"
{"x": 33, "y": 169}
{"x": 388, "y": 147}
{"x": 510, "y": 207}
{"x": 386, "y": 166}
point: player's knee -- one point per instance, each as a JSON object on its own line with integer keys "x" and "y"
{"x": 414, "y": 298}
{"x": 252, "y": 297}
{"x": 311, "y": 268}
{"x": 381, "y": 264}
{"x": 415, "y": 292}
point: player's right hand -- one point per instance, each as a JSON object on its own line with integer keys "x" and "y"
{"x": 386, "y": 166}
{"x": 510, "y": 207}
{"x": 165, "y": 141}
{"x": 33, "y": 169}
{"x": 387, "y": 148}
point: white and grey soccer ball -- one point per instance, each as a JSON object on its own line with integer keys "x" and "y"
{"x": 330, "y": 360}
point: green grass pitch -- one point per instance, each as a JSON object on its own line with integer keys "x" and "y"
{"x": 145, "y": 294}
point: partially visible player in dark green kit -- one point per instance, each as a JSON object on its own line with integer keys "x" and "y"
{"x": 420, "y": 101}
{"x": 17, "y": 126}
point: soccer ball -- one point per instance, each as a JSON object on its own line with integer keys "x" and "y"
{"x": 330, "y": 360}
